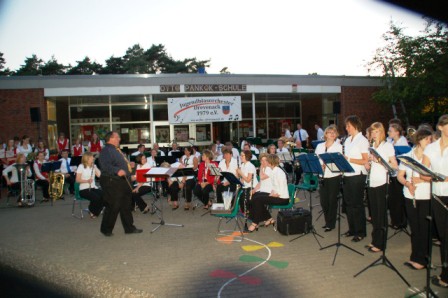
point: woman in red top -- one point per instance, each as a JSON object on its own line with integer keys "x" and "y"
{"x": 62, "y": 143}
{"x": 78, "y": 148}
{"x": 95, "y": 144}
{"x": 206, "y": 182}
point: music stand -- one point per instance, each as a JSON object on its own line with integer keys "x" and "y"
{"x": 311, "y": 165}
{"x": 337, "y": 163}
{"x": 177, "y": 154}
{"x": 161, "y": 173}
{"x": 435, "y": 177}
{"x": 162, "y": 159}
{"x": 232, "y": 180}
{"x": 383, "y": 260}
{"x": 214, "y": 171}
{"x": 75, "y": 161}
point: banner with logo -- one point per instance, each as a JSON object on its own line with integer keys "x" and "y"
{"x": 204, "y": 109}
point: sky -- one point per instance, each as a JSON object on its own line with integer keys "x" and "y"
{"x": 298, "y": 37}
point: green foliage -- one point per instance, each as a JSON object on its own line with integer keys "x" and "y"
{"x": 32, "y": 67}
{"x": 415, "y": 72}
{"x": 52, "y": 67}
{"x": 3, "y": 71}
{"x": 85, "y": 67}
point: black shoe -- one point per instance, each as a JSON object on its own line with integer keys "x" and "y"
{"x": 135, "y": 231}
{"x": 438, "y": 282}
{"x": 347, "y": 234}
{"x": 327, "y": 229}
{"x": 357, "y": 238}
{"x": 324, "y": 227}
{"x": 107, "y": 234}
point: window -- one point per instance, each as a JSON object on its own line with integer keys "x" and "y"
{"x": 133, "y": 133}
{"x": 130, "y": 113}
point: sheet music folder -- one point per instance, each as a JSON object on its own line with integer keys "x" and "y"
{"x": 310, "y": 163}
{"x": 160, "y": 172}
{"x": 183, "y": 172}
{"x": 214, "y": 170}
{"x": 51, "y": 166}
{"x": 75, "y": 160}
{"x": 382, "y": 161}
{"x": 231, "y": 178}
{"x": 336, "y": 162}
{"x": 421, "y": 169}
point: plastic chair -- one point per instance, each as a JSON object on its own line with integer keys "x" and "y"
{"x": 291, "y": 192}
{"x": 310, "y": 183}
{"x": 78, "y": 199}
{"x": 222, "y": 234}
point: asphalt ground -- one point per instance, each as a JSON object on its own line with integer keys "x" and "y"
{"x": 45, "y": 252}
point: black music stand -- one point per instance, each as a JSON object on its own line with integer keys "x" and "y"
{"x": 184, "y": 172}
{"x": 232, "y": 180}
{"x": 162, "y": 159}
{"x": 311, "y": 165}
{"x": 435, "y": 177}
{"x": 160, "y": 173}
{"x": 337, "y": 163}
{"x": 383, "y": 260}
{"x": 176, "y": 154}
{"x": 75, "y": 160}
{"x": 51, "y": 167}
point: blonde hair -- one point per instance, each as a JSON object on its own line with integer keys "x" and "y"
{"x": 379, "y": 126}
{"x": 264, "y": 154}
{"x": 333, "y": 128}
{"x": 20, "y": 156}
{"x": 85, "y": 158}
{"x": 273, "y": 160}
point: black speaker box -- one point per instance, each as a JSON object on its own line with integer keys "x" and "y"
{"x": 336, "y": 107}
{"x": 35, "y": 114}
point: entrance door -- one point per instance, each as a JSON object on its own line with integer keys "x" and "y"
{"x": 221, "y": 131}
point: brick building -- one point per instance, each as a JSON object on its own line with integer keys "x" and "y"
{"x": 136, "y": 105}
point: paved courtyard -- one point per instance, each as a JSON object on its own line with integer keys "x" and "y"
{"x": 46, "y": 252}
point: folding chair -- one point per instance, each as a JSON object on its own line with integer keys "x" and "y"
{"x": 78, "y": 199}
{"x": 233, "y": 215}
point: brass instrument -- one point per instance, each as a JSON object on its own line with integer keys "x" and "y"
{"x": 56, "y": 185}
{"x": 410, "y": 131}
{"x": 27, "y": 192}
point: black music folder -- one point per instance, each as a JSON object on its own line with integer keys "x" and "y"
{"x": 310, "y": 163}
{"x": 336, "y": 162}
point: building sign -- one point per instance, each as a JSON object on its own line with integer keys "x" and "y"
{"x": 215, "y": 88}
{"x": 204, "y": 109}
{"x": 169, "y": 88}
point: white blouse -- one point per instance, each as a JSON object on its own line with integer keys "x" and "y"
{"x": 86, "y": 174}
{"x": 378, "y": 173}
{"x": 334, "y": 148}
{"x": 354, "y": 148}
{"x": 24, "y": 150}
{"x": 423, "y": 189}
{"x": 15, "y": 175}
{"x": 279, "y": 183}
{"x": 249, "y": 168}
{"x": 266, "y": 184}
{"x": 233, "y": 166}
{"x": 439, "y": 164}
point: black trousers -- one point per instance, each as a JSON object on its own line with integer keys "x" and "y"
{"x": 137, "y": 197}
{"x": 259, "y": 206}
{"x": 44, "y": 185}
{"x": 117, "y": 198}
{"x": 203, "y": 193}
{"x": 441, "y": 219}
{"x": 378, "y": 209}
{"x": 245, "y": 201}
{"x": 188, "y": 189}
{"x": 353, "y": 190}
{"x": 419, "y": 229}
{"x": 95, "y": 196}
{"x": 329, "y": 199}
{"x": 221, "y": 188}
{"x": 396, "y": 205}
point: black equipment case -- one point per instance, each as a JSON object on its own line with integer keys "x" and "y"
{"x": 290, "y": 222}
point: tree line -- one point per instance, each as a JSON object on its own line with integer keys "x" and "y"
{"x": 136, "y": 60}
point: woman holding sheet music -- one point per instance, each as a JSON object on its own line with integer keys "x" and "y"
{"x": 206, "y": 182}
{"x": 436, "y": 157}
{"x": 186, "y": 183}
{"x": 248, "y": 176}
{"x": 377, "y": 188}
{"x": 331, "y": 181}
{"x": 417, "y": 195}
{"x": 85, "y": 176}
{"x": 228, "y": 164}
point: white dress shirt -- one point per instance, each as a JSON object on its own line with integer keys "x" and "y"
{"x": 439, "y": 164}
{"x": 279, "y": 183}
{"x": 423, "y": 189}
{"x": 378, "y": 173}
{"x": 334, "y": 148}
{"x": 233, "y": 166}
{"x": 354, "y": 148}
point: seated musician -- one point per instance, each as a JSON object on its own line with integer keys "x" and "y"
{"x": 174, "y": 149}
{"x": 41, "y": 177}
{"x": 265, "y": 185}
{"x": 78, "y": 148}
{"x": 156, "y": 147}
{"x": 142, "y": 188}
{"x": 278, "y": 196}
{"x": 14, "y": 181}
{"x": 95, "y": 144}
{"x": 10, "y": 153}
{"x": 62, "y": 143}
{"x": 85, "y": 176}
{"x": 25, "y": 146}
{"x": 186, "y": 183}
{"x": 228, "y": 164}
{"x": 42, "y": 148}
{"x": 272, "y": 149}
{"x": 140, "y": 150}
{"x": 284, "y": 152}
{"x": 248, "y": 176}
{"x": 247, "y": 147}
{"x": 68, "y": 171}
{"x": 206, "y": 181}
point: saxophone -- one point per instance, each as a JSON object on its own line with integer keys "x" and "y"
{"x": 56, "y": 185}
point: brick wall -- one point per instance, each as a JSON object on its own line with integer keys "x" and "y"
{"x": 15, "y": 118}
{"x": 311, "y": 114}
{"x": 358, "y": 101}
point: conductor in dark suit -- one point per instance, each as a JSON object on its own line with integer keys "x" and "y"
{"x": 115, "y": 183}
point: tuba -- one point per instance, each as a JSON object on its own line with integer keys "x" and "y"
{"x": 56, "y": 185}
{"x": 27, "y": 192}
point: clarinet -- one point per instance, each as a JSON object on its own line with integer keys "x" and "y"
{"x": 91, "y": 176}
{"x": 370, "y": 168}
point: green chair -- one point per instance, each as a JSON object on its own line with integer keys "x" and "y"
{"x": 78, "y": 199}
{"x": 228, "y": 217}
{"x": 256, "y": 163}
{"x": 290, "y": 205}
{"x": 310, "y": 183}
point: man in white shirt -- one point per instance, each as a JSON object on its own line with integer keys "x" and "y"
{"x": 320, "y": 132}
{"x": 68, "y": 171}
{"x": 302, "y": 135}
{"x": 159, "y": 152}
{"x": 140, "y": 150}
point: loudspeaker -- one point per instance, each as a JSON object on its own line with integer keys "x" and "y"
{"x": 336, "y": 107}
{"x": 35, "y": 114}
